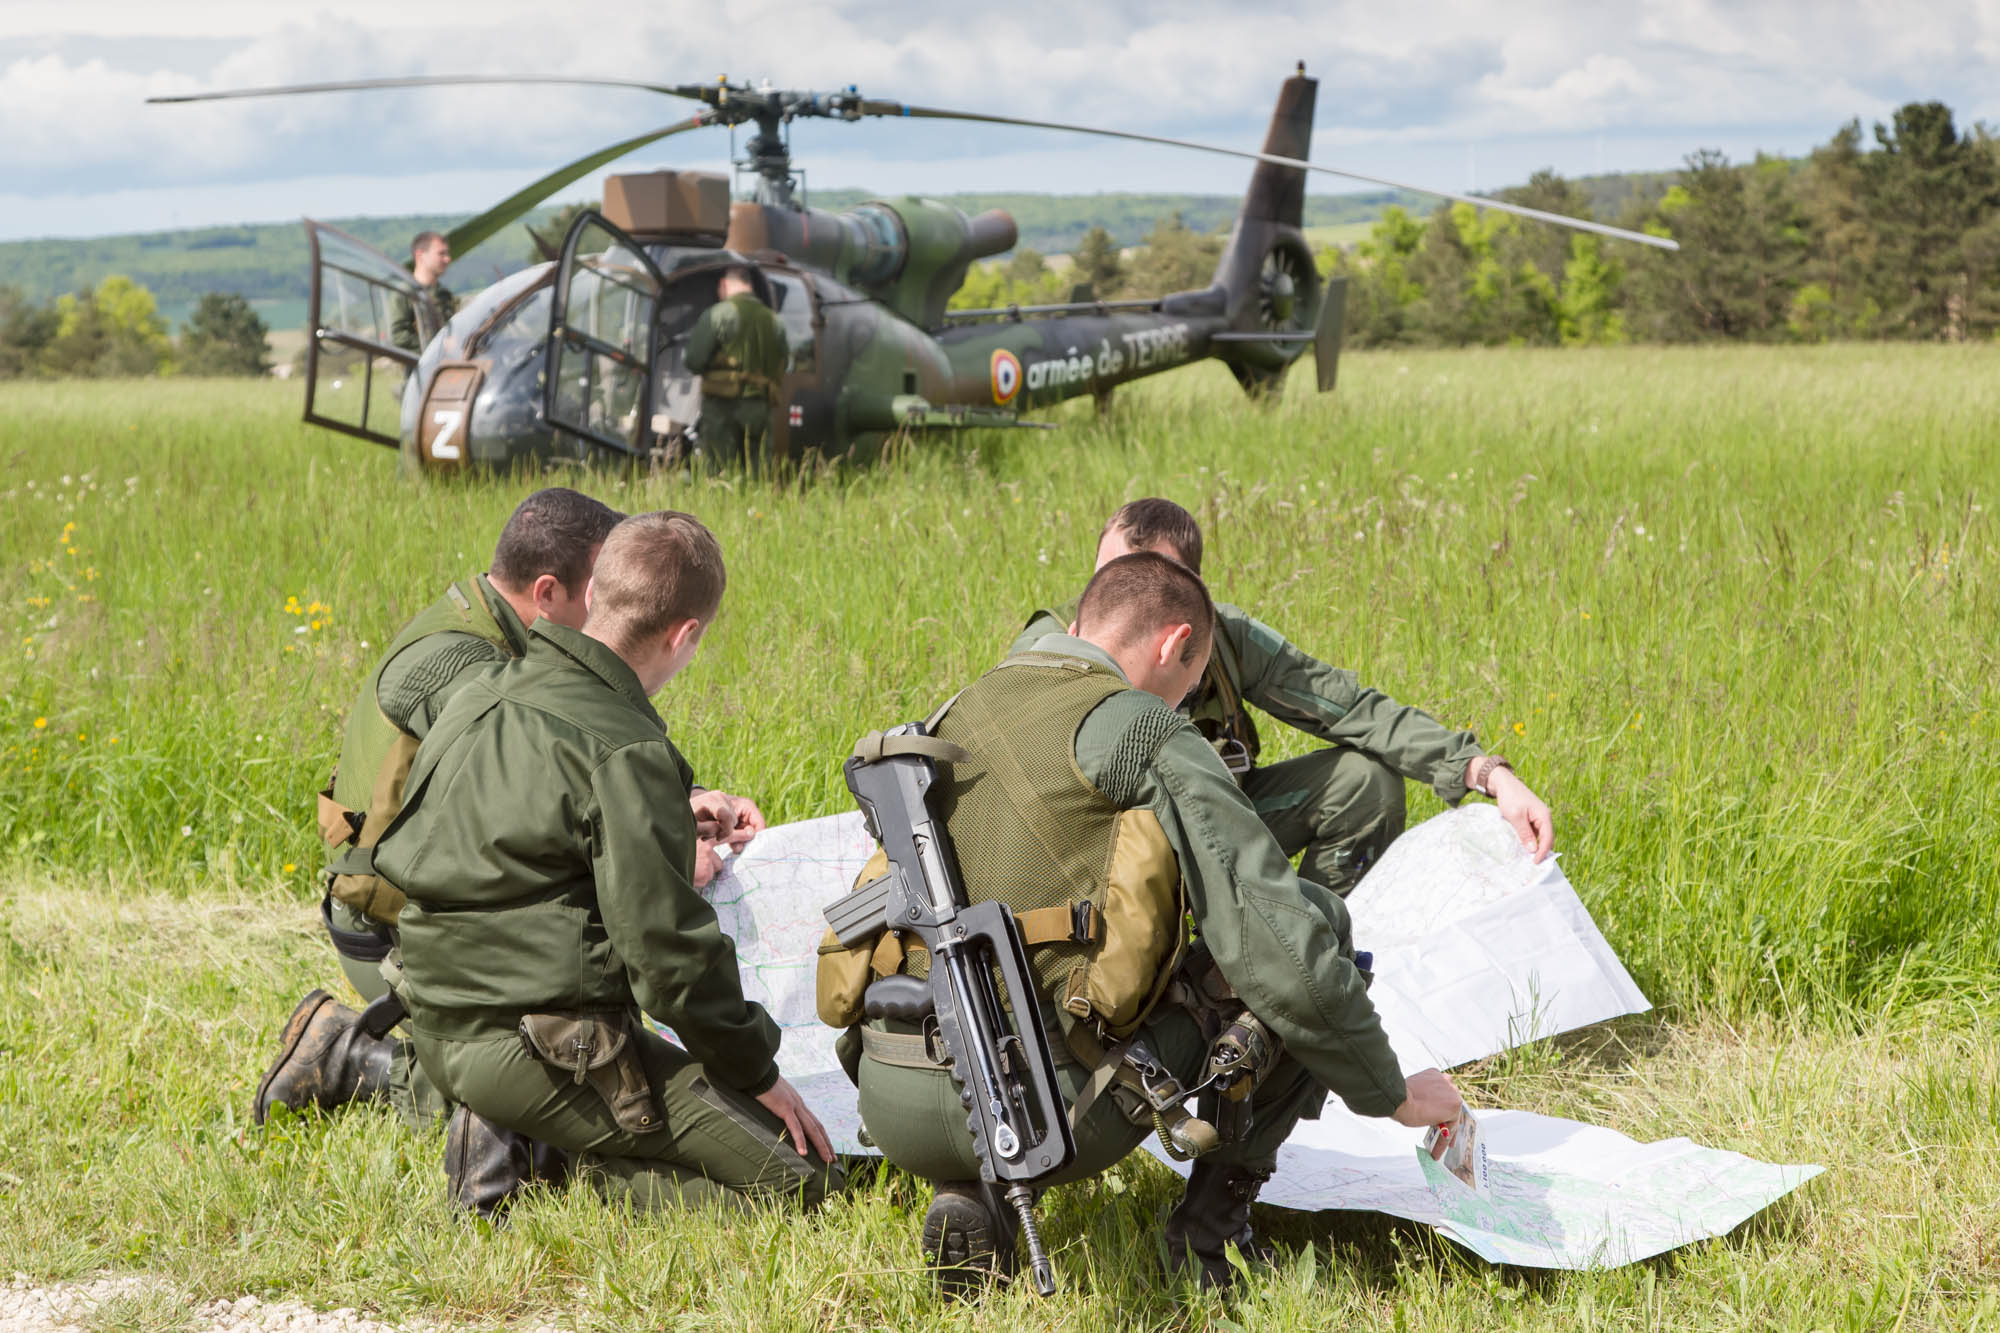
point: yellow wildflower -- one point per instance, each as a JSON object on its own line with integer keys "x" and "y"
{"x": 290, "y": 866}
{"x": 41, "y": 724}
{"x": 1520, "y": 728}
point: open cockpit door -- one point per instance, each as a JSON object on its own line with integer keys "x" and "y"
{"x": 365, "y": 312}
{"x": 601, "y": 337}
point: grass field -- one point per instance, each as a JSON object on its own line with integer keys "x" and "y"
{"x": 1731, "y": 611}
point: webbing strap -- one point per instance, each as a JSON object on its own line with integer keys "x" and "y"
{"x": 1044, "y": 925}
{"x": 910, "y": 1050}
{"x": 1058, "y": 924}
{"x": 879, "y": 745}
{"x": 1103, "y": 1073}
{"x": 1182, "y": 1134}
{"x": 338, "y": 825}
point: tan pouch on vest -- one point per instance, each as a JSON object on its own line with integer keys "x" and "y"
{"x": 371, "y": 895}
{"x": 1143, "y": 932}
{"x": 598, "y": 1051}
{"x": 845, "y": 973}
{"x": 338, "y": 826}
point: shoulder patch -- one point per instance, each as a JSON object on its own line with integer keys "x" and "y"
{"x": 1133, "y": 756}
{"x": 412, "y": 689}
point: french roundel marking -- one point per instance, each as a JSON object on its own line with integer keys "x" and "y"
{"x": 1006, "y": 376}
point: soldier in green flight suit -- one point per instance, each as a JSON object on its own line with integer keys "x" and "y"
{"x": 547, "y": 853}
{"x": 328, "y": 1054}
{"x": 430, "y": 256}
{"x": 1106, "y": 822}
{"x": 1341, "y": 806}
{"x": 738, "y": 347}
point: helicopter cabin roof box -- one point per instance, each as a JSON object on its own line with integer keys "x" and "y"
{"x": 654, "y": 203}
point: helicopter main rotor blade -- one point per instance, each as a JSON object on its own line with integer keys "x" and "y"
{"x": 871, "y": 107}
{"x": 470, "y": 233}
{"x": 423, "y": 81}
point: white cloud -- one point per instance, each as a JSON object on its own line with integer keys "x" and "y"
{"x": 1460, "y": 76}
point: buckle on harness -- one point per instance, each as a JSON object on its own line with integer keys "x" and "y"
{"x": 1082, "y": 922}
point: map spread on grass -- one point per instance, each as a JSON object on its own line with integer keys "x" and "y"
{"x": 1476, "y": 949}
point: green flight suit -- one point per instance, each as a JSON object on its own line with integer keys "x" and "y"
{"x": 471, "y": 625}
{"x": 1341, "y": 806}
{"x": 547, "y": 849}
{"x": 406, "y": 332}
{"x": 739, "y": 349}
{"x": 1285, "y": 945}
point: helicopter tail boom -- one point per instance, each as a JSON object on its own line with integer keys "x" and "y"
{"x": 1271, "y": 288}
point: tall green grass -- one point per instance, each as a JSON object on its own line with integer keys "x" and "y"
{"x": 1730, "y": 611}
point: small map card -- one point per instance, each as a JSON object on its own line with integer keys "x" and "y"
{"x": 1457, "y": 1147}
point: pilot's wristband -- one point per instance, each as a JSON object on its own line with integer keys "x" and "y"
{"x": 1480, "y": 779}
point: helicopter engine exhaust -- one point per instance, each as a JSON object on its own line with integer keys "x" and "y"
{"x": 911, "y": 253}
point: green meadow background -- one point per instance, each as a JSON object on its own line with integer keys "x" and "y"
{"x": 1731, "y": 611}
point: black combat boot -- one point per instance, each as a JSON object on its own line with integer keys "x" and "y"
{"x": 325, "y": 1059}
{"x": 968, "y": 1237}
{"x": 485, "y": 1166}
{"x": 1214, "y": 1212}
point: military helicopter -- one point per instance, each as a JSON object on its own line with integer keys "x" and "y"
{"x": 580, "y": 359}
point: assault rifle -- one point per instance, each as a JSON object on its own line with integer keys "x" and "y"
{"x": 1002, "y": 1063}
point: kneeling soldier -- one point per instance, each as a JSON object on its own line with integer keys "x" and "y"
{"x": 1106, "y": 822}
{"x": 547, "y": 851}
{"x": 328, "y": 1054}
{"x": 1340, "y": 806}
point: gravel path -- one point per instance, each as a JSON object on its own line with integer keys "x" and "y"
{"x": 124, "y": 1302}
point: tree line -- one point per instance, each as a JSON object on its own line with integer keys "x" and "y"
{"x": 115, "y": 328}
{"x": 1894, "y": 234}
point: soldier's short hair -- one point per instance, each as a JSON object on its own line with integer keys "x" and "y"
{"x": 554, "y": 532}
{"x": 656, "y": 570}
{"x": 424, "y": 239}
{"x": 1143, "y": 593}
{"x": 1150, "y": 523}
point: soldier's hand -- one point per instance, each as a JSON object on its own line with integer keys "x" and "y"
{"x": 1525, "y": 811}
{"x": 720, "y": 817}
{"x": 707, "y": 862}
{"x": 1429, "y": 1098}
{"x": 782, "y": 1100}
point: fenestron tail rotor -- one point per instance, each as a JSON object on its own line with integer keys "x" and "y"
{"x": 1284, "y": 293}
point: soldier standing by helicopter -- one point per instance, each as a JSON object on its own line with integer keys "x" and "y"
{"x": 739, "y": 349}
{"x": 430, "y": 256}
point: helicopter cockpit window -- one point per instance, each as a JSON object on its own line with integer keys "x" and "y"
{"x": 606, "y": 330}
{"x": 518, "y": 332}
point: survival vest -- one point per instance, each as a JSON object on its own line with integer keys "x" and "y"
{"x": 749, "y": 360}
{"x": 1216, "y": 706}
{"x": 1094, "y": 882}
{"x": 366, "y": 791}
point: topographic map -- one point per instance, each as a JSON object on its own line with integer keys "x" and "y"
{"x": 1476, "y": 949}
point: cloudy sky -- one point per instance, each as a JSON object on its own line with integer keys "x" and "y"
{"x": 1454, "y": 95}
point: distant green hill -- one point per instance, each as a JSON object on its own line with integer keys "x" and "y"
{"x": 267, "y": 262}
